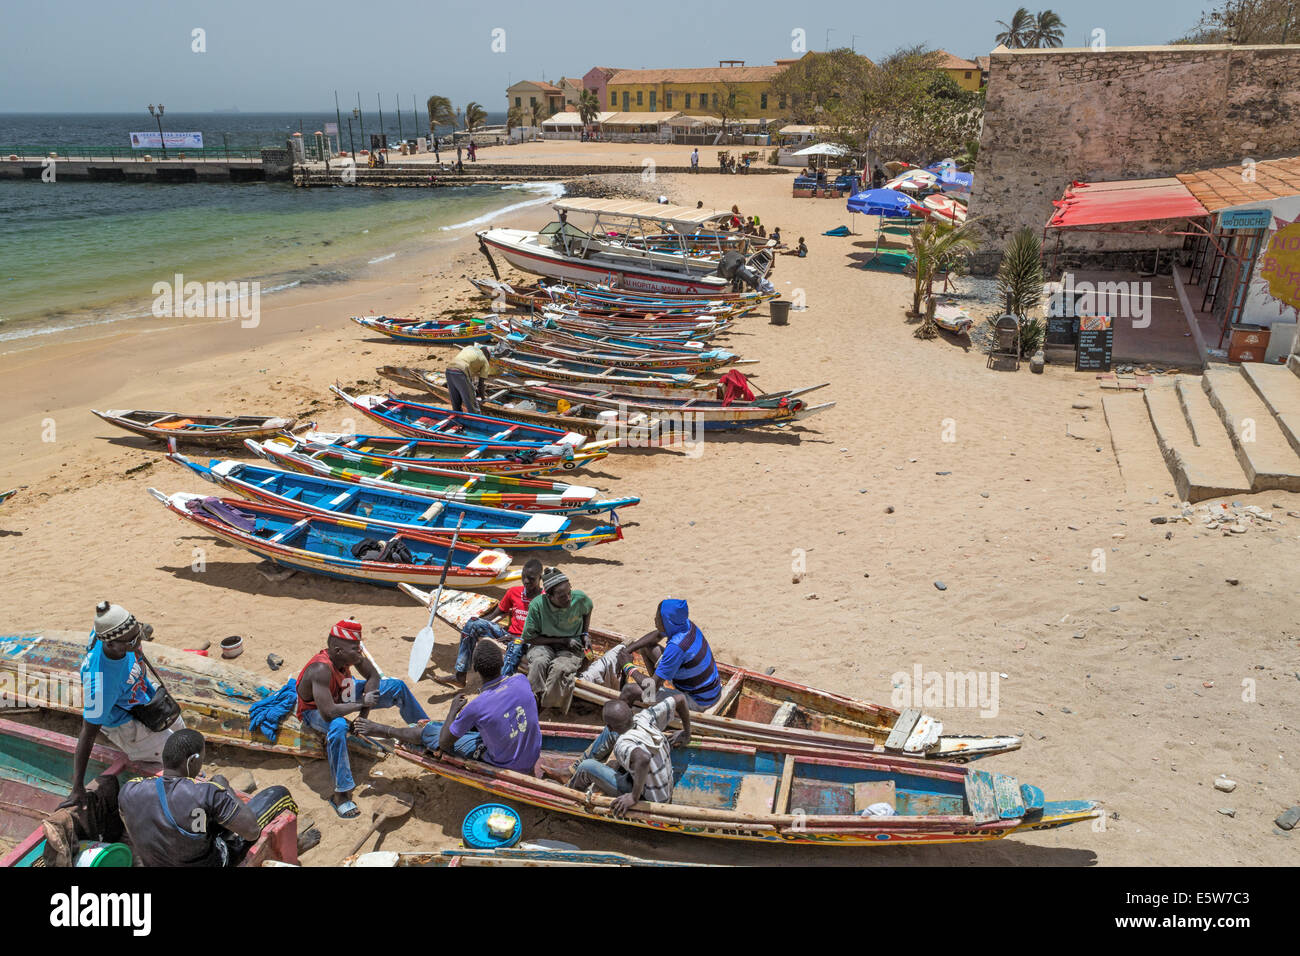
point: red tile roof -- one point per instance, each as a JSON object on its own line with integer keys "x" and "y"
{"x": 950, "y": 62}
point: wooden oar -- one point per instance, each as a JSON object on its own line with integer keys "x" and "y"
{"x": 423, "y": 646}
{"x": 390, "y": 807}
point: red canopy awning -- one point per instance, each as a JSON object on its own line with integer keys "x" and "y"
{"x": 1137, "y": 200}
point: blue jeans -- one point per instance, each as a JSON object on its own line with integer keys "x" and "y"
{"x": 467, "y": 745}
{"x": 476, "y": 628}
{"x": 392, "y": 693}
{"x": 610, "y": 780}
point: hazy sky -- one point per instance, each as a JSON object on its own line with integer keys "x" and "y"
{"x": 91, "y": 55}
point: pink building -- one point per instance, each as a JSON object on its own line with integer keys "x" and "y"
{"x": 595, "y": 79}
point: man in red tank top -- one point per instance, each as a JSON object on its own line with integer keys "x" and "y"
{"x": 328, "y": 693}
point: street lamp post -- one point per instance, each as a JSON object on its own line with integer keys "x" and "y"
{"x": 158, "y": 116}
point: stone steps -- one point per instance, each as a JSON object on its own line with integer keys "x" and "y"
{"x": 1200, "y": 471}
{"x": 1266, "y": 455}
{"x": 1279, "y": 388}
{"x": 1141, "y": 463}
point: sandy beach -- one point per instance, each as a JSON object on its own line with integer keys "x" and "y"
{"x": 1136, "y": 686}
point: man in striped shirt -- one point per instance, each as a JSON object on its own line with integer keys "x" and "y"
{"x": 686, "y": 659}
{"x": 642, "y": 754}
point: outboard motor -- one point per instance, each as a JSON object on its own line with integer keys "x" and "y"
{"x": 732, "y": 266}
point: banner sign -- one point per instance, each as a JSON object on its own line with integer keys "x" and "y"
{"x": 1245, "y": 219}
{"x": 331, "y": 129}
{"x": 171, "y": 140}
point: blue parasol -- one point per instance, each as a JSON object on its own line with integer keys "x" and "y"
{"x": 882, "y": 202}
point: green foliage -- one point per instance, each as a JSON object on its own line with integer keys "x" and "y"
{"x": 1030, "y": 31}
{"x": 440, "y": 112}
{"x": 515, "y": 117}
{"x": 475, "y": 115}
{"x": 1248, "y": 22}
{"x": 937, "y": 247}
{"x": 1020, "y": 275}
{"x": 1015, "y": 33}
{"x": 588, "y": 106}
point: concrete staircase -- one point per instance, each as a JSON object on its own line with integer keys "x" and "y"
{"x": 1235, "y": 431}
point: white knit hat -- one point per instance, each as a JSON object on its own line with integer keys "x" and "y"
{"x": 113, "y": 621}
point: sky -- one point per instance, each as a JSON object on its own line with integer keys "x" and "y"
{"x": 272, "y": 55}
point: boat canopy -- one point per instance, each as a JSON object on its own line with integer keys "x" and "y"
{"x": 687, "y": 216}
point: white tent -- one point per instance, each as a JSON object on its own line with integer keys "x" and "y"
{"x": 824, "y": 149}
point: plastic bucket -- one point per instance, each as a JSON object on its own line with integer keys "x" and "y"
{"x": 779, "y": 309}
{"x": 103, "y": 854}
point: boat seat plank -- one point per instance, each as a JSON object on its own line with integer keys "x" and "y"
{"x": 782, "y": 803}
{"x": 288, "y": 532}
{"x": 757, "y": 794}
{"x": 902, "y": 729}
{"x": 867, "y": 792}
{"x": 981, "y": 796}
{"x": 1007, "y": 792}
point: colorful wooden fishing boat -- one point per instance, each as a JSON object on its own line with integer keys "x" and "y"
{"x": 529, "y": 365}
{"x": 648, "y": 421}
{"x": 323, "y": 545}
{"x": 475, "y": 525}
{"x": 425, "y": 332}
{"x": 734, "y": 303}
{"x": 213, "y": 430}
{"x": 760, "y": 708}
{"x": 522, "y": 344}
{"x": 544, "y": 329}
{"x": 526, "y": 294}
{"x": 683, "y": 327}
{"x": 6, "y": 495}
{"x": 525, "y": 854}
{"x": 496, "y": 491}
{"x": 43, "y": 669}
{"x": 444, "y": 427}
{"x": 36, "y": 767}
{"x": 784, "y": 793}
{"x": 418, "y": 452}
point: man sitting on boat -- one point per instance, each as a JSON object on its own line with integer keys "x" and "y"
{"x": 117, "y": 696}
{"x": 465, "y": 377}
{"x": 514, "y": 603}
{"x": 499, "y": 726}
{"x": 327, "y": 693}
{"x": 555, "y": 637}
{"x": 178, "y": 819}
{"x": 642, "y": 767}
{"x": 686, "y": 659}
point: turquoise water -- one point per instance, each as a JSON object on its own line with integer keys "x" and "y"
{"x": 78, "y": 253}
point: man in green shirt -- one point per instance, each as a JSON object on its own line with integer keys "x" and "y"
{"x": 555, "y": 638}
{"x": 465, "y": 378}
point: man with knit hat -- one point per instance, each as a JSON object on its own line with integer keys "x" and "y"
{"x": 555, "y": 638}
{"x": 328, "y": 692}
{"x": 113, "y": 683}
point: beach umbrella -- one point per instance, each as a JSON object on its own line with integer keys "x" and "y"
{"x": 882, "y": 203}
{"x": 824, "y": 149}
{"x": 949, "y": 210}
{"x": 957, "y": 184}
{"x": 920, "y": 177}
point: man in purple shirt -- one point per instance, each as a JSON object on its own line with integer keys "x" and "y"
{"x": 499, "y": 726}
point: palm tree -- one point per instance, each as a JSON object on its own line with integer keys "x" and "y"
{"x": 538, "y": 112}
{"x": 475, "y": 115}
{"x": 1020, "y": 274}
{"x": 936, "y": 247}
{"x": 440, "y": 112}
{"x": 1015, "y": 34}
{"x": 1047, "y": 31}
{"x": 514, "y": 117}
{"x": 588, "y": 107}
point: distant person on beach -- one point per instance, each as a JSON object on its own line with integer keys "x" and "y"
{"x": 877, "y": 177}
{"x": 465, "y": 378}
{"x": 473, "y": 152}
{"x": 328, "y": 692}
{"x": 180, "y": 820}
{"x": 695, "y": 160}
{"x": 498, "y": 726}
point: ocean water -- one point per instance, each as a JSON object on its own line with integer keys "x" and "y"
{"x": 79, "y": 253}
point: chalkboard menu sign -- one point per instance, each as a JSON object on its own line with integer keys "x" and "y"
{"x": 1062, "y": 330}
{"x": 1096, "y": 339}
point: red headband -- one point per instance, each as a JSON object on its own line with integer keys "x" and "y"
{"x": 347, "y": 630}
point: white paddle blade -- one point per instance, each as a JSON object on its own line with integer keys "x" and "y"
{"x": 421, "y": 651}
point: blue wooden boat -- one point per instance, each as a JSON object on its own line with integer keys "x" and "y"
{"x": 525, "y": 854}
{"x": 442, "y": 426}
{"x": 484, "y": 527}
{"x": 525, "y": 345}
{"x": 323, "y": 545}
{"x": 785, "y": 793}
{"x": 425, "y": 332}
{"x": 547, "y": 329}
{"x": 529, "y": 365}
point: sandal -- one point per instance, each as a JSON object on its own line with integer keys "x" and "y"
{"x": 347, "y": 810}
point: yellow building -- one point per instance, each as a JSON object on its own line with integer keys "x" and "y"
{"x": 965, "y": 73}
{"x": 731, "y": 88}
